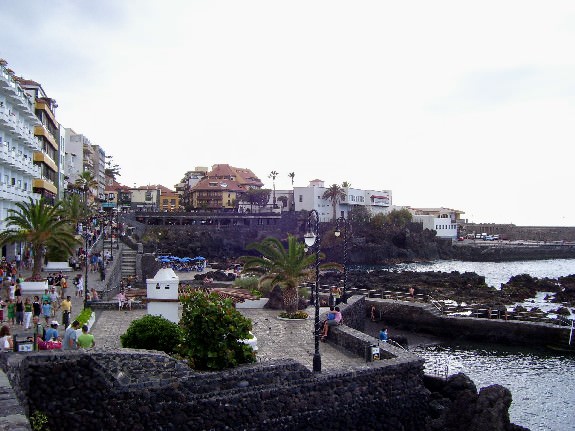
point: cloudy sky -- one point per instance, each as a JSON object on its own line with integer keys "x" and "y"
{"x": 466, "y": 105}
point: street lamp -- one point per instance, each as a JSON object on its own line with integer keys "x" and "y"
{"x": 312, "y": 238}
{"x": 110, "y": 199}
{"x": 86, "y": 263}
{"x": 344, "y": 222}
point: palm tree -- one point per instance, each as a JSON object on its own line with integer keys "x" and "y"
{"x": 284, "y": 267}
{"x": 42, "y": 226}
{"x": 335, "y": 194}
{"x": 74, "y": 210}
{"x": 291, "y": 175}
{"x": 273, "y": 175}
{"x": 346, "y": 184}
{"x": 86, "y": 182}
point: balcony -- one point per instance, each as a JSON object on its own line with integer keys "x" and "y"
{"x": 40, "y": 183}
{"x": 43, "y": 132}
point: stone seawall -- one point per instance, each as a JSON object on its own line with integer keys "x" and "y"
{"x": 425, "y": 318}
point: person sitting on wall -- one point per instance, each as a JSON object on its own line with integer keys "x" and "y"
{"x": 334, "y": 318}
{"x": 383, "y": 337}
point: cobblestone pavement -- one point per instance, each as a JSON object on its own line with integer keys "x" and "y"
{"x": 277, "y": 339}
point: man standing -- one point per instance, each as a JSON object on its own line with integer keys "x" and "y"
{"x": 66, "y": 306}
{"x": 70, "y": 341}
{"x": 86, "y": 340}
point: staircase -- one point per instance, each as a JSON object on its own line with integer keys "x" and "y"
{"x": 128, "y": 262}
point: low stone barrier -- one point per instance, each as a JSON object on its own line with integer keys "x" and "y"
{"x": 141, "y": 390}
{"x": 421, "y": 317}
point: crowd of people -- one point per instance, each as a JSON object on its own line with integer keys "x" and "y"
{"x": 39, "y": 313}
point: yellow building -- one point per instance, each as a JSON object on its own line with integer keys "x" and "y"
{"x": 48, "y": 134}
{"x": 222, "y": 187}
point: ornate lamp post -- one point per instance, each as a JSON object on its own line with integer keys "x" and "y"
{"x": 344, "y": 222}
{"x": 312, "y": 238}
{"x": 110, "y": 199}
{"x": 86, "y": 263}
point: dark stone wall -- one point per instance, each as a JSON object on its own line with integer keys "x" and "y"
{"x": 423, "y": 318}
{"x": 149, "y": 390}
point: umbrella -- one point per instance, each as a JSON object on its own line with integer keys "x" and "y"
{"x": 164, "y": 259}
{"x": 186, "y": 259}
{"x": 199, "y": 258}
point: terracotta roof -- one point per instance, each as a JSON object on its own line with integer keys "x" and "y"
{"x": 226, "y": 177}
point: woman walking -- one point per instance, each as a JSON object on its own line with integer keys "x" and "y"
{"x": 19, "y": 308}
{"x": 27, "y": 312}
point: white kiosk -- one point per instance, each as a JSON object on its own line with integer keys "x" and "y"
{"x": 162, "y": 292}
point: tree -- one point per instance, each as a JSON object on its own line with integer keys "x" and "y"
{"x": 335, "y": 194}
{"x": 212, "y": 329}
{"x": 74, "y": 210}
{"x": 112, "y": 170}
{"x": 399, "y": 218}
{"x": 259, "y": 197}
{"x": 42, "y": 226}
{"x": 346, "y": 185}
{"x": 291, "y": 175}
{"x": 273, "y": 175}
{"x": 86, "y": 182}
{"x": 283, "y": 267}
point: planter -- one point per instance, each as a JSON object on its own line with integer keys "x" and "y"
{"x": 57, "y": 267}
{"x": 33, "y": 287}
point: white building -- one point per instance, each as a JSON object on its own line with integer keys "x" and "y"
{"x": 310, "y": 197}
{"x": 442, "y": 220}
{"x": 17, "y": 147}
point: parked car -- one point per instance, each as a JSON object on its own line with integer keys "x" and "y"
{"x": 488, "y": 238}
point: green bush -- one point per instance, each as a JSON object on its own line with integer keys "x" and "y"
{"x": 83, "y": 317}
{"x": 211, "y": 329}
{"x": 248, "y": 283}
{"x": 152, "y": 333}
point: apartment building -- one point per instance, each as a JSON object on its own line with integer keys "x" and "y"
{"x": 445, "y": 221}
{"x": 47, "y": 131}
{"x": 311, "y": 197}
{"x": 18, "y": 144}
{"x": 222, "y": 187}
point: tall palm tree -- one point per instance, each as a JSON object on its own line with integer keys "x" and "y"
{"x": 273, "y": 175}
{"x": 284, "y": 267}
{"x": 86, "y": 182}
{"x": 74, "y": 210}
{"x": 335, "y": 194}
{"x": 42, "y": 226}
{"x": 291, "y": 175}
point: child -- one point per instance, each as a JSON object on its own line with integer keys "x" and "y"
{"x": 47, "y": 311}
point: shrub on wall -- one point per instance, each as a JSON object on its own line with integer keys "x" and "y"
{"x": 152, "y": 333}
{"x": 211, "y": 329}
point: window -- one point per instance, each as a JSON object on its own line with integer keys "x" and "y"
{"x": 300, "y": 198}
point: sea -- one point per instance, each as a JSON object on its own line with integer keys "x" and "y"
{"x": 542, "y": 383}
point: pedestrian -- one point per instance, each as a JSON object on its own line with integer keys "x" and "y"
{"x": 66, "y": 307}
{"x": 19, "y": 309}
{"x": 372, "y": 314}
{"x": 52, "y": 332}
{"x": 27, "y": 313}
{"x": 54, "y": 300}
{"x": 39, "y": 330}
{"x": 64, "y": 286}
{"x": 6, "y": 342}
{"x": 36, "y": 306}
{"x": 70, "y": 341}
{"x": 383, "y": 337}
{"x": 47, "y": 311}
{"x": 86, "y": 340}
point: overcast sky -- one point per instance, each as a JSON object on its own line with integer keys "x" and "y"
{"x": 465, "y": 105}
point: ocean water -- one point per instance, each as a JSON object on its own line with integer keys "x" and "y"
{"x": 542, "y": 383}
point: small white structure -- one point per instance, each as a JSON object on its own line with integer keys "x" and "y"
{"x": 162, "y": 293}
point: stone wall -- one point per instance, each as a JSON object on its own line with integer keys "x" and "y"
{"x": 139, "y": 390}
{"x": 423, "y": 318}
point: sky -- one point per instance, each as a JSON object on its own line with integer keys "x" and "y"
{"x": 457, "y": 104}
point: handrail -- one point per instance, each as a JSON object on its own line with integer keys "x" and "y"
{"x": 435, "y": 303}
